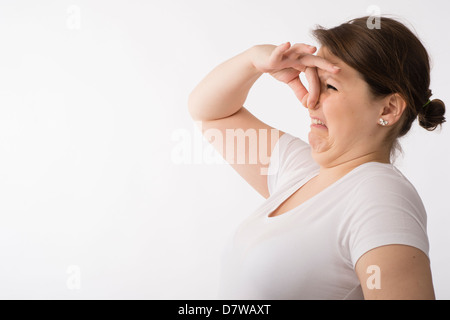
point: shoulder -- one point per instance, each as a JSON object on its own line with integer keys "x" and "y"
{"x": 377, "y": 179}
{"x": 383, "y": 208}
{"x": 383, "y": 190}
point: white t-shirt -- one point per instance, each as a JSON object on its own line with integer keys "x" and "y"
{"x": 310, "y": 252}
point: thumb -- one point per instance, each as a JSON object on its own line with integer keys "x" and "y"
{"x": 299, "y": 89}
{"x": 304, "y": 101}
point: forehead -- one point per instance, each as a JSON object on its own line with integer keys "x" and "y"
{"x": 347, "y": 73}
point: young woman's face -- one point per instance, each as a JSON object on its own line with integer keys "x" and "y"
{"x": 349, "y": 114}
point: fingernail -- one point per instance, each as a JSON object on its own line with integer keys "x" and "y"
{"x": 336, "y": 68}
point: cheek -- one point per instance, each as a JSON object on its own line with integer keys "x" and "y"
{"x": 339, "y": 116}
{"x": 349, "y": 120}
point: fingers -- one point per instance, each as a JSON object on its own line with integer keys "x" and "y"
{"x": 285, "y": 54}
{"x": 299, "y": 89}
{"x": 308, "y": 98}
{"x": 319, "y": 62}
{"x": 301, "y": 56}
{"x": 299, "y": 48}
{"x": 313, "y": 85}
{"x": 277, "y": 54}
{"x": 304, "y": 100}
{"x": 284, "y": 46}
{"x": 303, "y": 48}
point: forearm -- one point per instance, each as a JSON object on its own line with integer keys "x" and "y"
{"x": 224, "y": 90}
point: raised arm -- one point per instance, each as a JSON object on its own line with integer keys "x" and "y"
{"x": 216, "y": 104}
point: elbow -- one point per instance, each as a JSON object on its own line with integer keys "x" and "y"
{"x": 195, "y": 107}
{"x": 191, "y": 106}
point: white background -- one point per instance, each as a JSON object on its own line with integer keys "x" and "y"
{"x": 94, "y": 203}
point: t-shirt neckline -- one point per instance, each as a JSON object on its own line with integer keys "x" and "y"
{"x": 303, "y": 181}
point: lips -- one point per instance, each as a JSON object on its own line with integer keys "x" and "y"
{"x": 317, "y": 121}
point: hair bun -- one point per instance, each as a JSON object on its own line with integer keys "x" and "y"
{"x": 432, "y": 114}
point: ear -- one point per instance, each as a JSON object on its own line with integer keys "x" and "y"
{"x": 393, "y": 107}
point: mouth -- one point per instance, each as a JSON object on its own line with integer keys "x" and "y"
{"x": 315, "y": 122}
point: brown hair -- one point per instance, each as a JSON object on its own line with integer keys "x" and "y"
{"x": 391, "y": 59}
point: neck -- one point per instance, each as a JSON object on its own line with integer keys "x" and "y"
{"x": 340, "y": 167}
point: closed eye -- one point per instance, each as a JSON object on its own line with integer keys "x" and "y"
{"x": 329, "y": 86}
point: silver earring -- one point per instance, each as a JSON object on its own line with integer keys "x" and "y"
{"x": 383, "y": 122}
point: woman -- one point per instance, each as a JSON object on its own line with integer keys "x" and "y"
{"x": 340, "y": 221}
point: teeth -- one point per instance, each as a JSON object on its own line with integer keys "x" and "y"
{"x": 317, "y": 121}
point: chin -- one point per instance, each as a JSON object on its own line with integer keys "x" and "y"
{"x": 318, "y": 143}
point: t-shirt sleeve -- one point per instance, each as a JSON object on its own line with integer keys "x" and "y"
{"x": 384, "y": 210}
{"x": 290, "y": 159}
